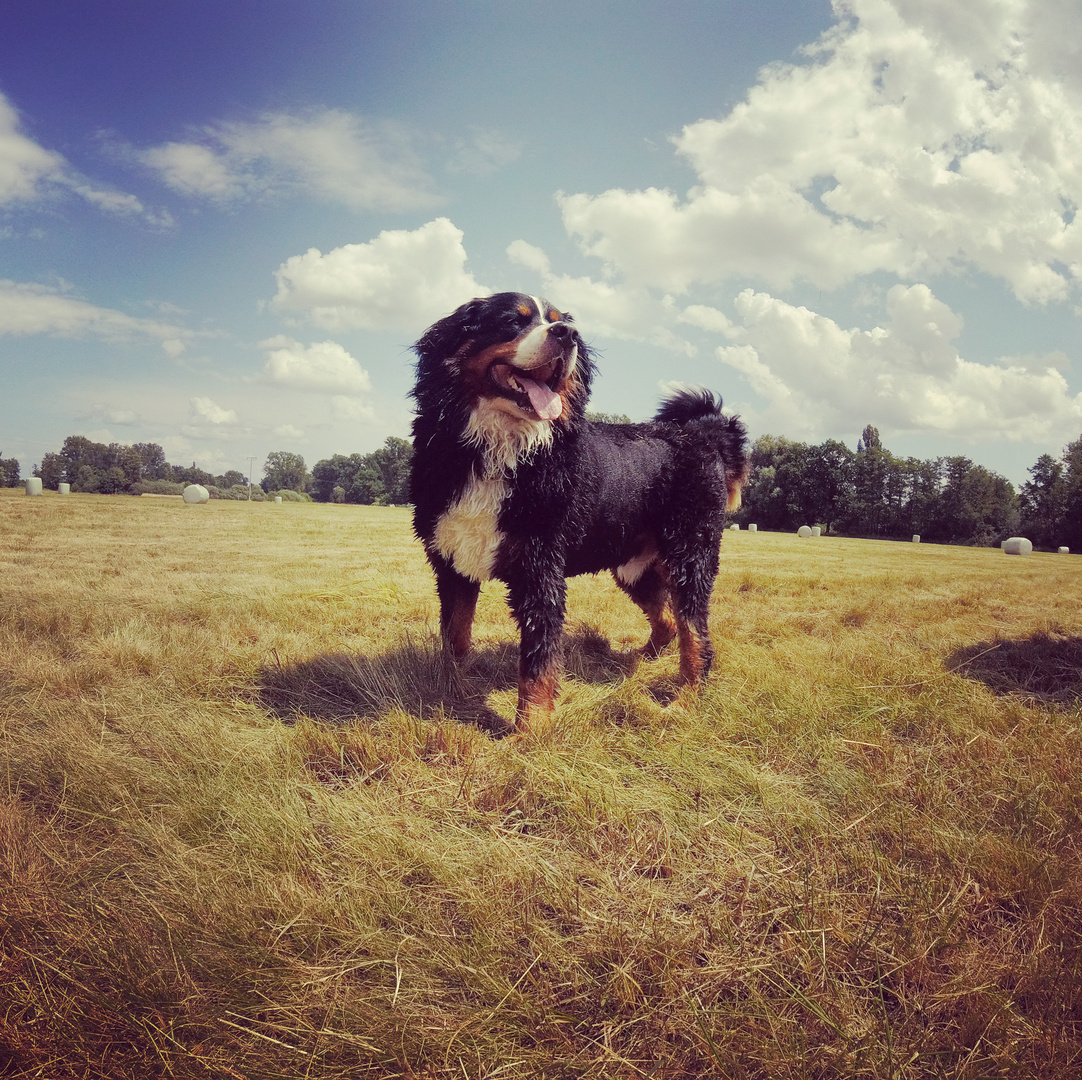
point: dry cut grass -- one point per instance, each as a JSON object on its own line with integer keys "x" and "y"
{"x": 252, "y": 826}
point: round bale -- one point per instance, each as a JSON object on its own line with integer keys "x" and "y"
{"x": 1065, "y": 551}
{"x": 734, "y": 527}
{"x": 63, "y": 489}
{"x": 753, "y": 528}
{"x": 916, "y": 538}
{"x": 817, "y": 530}
{"x": 33, "y": 485}
{"x": 278, "y": 500}
{"x": 804, "y": 531}
{"x": 195, "y": 494}
{"x": 1018, "y": 545}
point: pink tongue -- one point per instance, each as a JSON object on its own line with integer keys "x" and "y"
{"x": 545, "y": 403}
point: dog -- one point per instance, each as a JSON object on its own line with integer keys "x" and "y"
{"x": 510, "y": 480}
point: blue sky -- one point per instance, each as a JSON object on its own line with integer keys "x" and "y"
{"x": 223, "y": 224}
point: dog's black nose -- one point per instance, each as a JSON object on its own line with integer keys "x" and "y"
{"x": 561, "y": 331}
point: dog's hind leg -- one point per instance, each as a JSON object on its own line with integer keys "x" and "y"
{"x": 458, "y": 602}
{"x": 692, "y": 584}
{"x": 651, "y": 592}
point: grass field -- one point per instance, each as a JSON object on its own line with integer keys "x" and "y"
{"x": 252, "y": 827}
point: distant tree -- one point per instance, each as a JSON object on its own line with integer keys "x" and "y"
{"x": 284, "y": 471}
{"x": 192, "y": 475}
{"x": 869, "y": 440}
{"x": 366, "y": 486}
{"x": 153, "y": 463}
{"x": 1070, "y": 526}
{"x": 392, "y": 462}
{"x": 88, "y": 479}
{"x": 1042, "y": 502}
{"x": 52, "y": 471}
{"x": 874, "y": 487}
{"x": 113, "y": 481}
{"x": 230, "y": 479}
{"x": 334, "y": 472}
{"x": 9, "y": 471}
{"x": 975, "y": 506}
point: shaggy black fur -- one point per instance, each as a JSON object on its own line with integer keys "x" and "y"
{"x": 566, "y": 495}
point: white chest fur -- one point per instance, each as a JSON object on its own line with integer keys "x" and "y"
{"x": 466, "y": 533}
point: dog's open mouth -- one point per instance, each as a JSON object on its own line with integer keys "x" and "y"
{"x": 532, "y": 391}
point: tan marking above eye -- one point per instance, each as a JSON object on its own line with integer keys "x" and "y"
{"x": 524, "y": 309}
{"x": 553, "y": 315}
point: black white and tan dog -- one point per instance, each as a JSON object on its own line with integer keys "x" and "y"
{"x": 511, "y": 481}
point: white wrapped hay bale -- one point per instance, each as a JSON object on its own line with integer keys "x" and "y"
{"x": 63, "y": 489}
{"x": 753, "y": 528}
{"x": 1065, "y": 551}
{"x": 33, "y": 485}
{"x": 916, "y": 538}
{"x": 804, "y": 531}
{"x": 1018, "y": 545}
{"x": 277, "y": 500}
{"x": 194, "y": 494}
{"x": 817, "y": 530}
{"x": 734, "y": 527}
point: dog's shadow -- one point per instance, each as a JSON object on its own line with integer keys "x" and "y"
{"x": 1043, "y": 667}
{"x": 420, "y": 679}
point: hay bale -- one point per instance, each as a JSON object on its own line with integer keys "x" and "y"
{"x": 817, "y": 530}
{"x": 1064, "y": 551}
{"x": 1018, "y": 545}
{"x": 916, "y": 538}
{"x": 734, "y": 527}
{"x": 63, "y": 489}
{"x": 804, "y": 531}
{"x": 195, "y": 494}
{"x": 33, "y": 485}
{"x": 278, "y": 500}
{"x": 753, "y": 528}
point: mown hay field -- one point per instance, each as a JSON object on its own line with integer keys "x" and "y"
{"x": 251, "y": 825}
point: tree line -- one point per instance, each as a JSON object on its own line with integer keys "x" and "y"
{"x": 870, "y": 492}
{"x": 866, "y": 492}
{"x": 114, "y": 469}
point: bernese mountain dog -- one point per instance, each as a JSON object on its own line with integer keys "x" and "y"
{"x": 510, "y": 480}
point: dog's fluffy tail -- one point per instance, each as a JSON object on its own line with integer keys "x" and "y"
{"x": 691, "y": 403}
{"x": 726, "y": 434}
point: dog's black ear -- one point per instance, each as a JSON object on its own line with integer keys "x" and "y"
{"x": 446, "y": 337}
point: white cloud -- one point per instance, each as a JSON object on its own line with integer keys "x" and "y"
{"x": 919, "y": 137}
{"x": 111, "y": 414}
{"x": 598, "y": 307}
{"x": 28, "y": 172}
{"x": 333, "y": 155}
{"x": 206, "y": 411}
{"x": 27, "y": 309}
{"x": 23, "y": 164}
{"x": 485, "y": 152}
{"x": 351, "y": 409}
{"x": 401, "y": 280}
{"x": 325, "y": 367}
{"x": 906, "y": 375}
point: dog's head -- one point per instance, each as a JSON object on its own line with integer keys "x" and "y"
{"x": 514, "y": 357}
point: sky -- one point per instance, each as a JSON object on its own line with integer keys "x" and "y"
{"x": 223, "y": 225}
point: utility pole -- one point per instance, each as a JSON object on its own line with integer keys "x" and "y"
{"x": 251, "y": 465}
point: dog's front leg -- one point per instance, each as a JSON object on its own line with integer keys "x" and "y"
{"x": 537, "y": 594}
{"x": 458, "y": 602}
